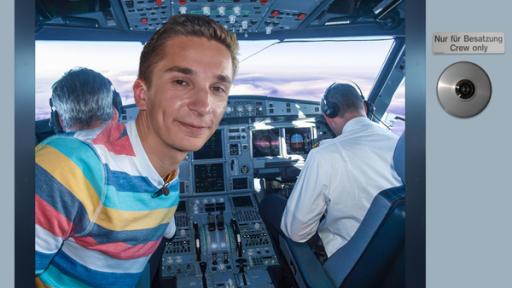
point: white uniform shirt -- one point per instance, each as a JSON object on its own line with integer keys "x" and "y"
{"x": 340, "y": 179}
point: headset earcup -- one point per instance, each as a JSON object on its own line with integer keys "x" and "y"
{"x": 328, "y": 108}
{"x": 332, "y": 109}
{"x": 55, "y": 122}
{"x": 117, "y": 103}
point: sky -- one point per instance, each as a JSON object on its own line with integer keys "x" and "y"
{"x": 291, "y": 70}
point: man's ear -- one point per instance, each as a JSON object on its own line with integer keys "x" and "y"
{"x": 139, "y": 94}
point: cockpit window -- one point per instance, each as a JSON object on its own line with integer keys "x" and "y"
{"x": 395, "y": 114}
{"x": 300, "y": 69}
{"x": 304, "y": 69}
{"x": 117, "y": 61}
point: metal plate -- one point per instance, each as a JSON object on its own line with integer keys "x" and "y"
{"x": 464, "y": 89}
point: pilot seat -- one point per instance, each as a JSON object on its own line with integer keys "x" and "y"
{"x": 373, "y": 257}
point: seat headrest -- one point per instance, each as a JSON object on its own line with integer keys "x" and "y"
{"x": 399, "y": 157}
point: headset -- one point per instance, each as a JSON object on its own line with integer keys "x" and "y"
{"x": 55, "y": 125}
{"x": 331, "y": 109}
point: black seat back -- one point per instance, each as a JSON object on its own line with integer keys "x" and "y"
{"x": 374, "y": 256}
{"x": 368, "y": 259}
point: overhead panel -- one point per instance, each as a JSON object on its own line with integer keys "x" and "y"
{"x": 249, "y": 16}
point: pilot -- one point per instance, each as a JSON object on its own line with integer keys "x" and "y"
{"x": 105, "y": 199}
{"x": 83, "y": 99}
{"x": 341, "y": 177}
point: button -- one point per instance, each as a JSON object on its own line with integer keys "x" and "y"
{"x": 129, "y": 4}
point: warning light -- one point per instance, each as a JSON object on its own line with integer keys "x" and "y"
{"x": 144, "y": 21}
{"x": 182, "y": 2}
{"x": 301, "y": 16}
{"x": 275, "y": 13}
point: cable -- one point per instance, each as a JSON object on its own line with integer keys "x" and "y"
{"x": 312, "y": 41}
{"x": 259, "y": 51}
{"x": 378, "y": 119}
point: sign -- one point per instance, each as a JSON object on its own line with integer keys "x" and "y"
{"x": 468, "y": 43}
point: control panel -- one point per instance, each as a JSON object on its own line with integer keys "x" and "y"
{"x": 258, "y": 137}
{"x": 258, "y": 106}
{"x": 237, "y": 16}
{"x": 220, "y": 241}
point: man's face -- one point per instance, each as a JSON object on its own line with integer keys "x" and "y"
{"x": 188, "y": 94}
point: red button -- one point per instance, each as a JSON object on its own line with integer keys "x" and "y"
{"x": 275, "y": 13}
{"x": 144, "y": 21}
{"x": 301, "y": 16}
{"x": 263, "y": 2}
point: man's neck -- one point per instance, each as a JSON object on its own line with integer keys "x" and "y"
{"x": 163, "y": 157}
{"x": 347, "y": 117}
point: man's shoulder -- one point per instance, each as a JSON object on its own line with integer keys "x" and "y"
{"x": 324, "y": 151}
{"x": 65, "y": 151}
{"x": 64, "y": 143}
{"x": 379, "y": 129}
{"x": 114, "y": 139}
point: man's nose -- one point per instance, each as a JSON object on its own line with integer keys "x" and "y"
{"x": 200, "y": 101}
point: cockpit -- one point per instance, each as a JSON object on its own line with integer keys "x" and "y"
{"x": 291, "y": 51}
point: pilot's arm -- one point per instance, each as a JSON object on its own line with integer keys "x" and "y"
{"x": 308, "y": 200}
{"x": 65, "y": 194}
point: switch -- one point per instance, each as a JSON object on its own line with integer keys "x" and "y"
{"x": 236, "y": 10}
{"x": 206, "y": 10}
{"x": 222, "y": 10}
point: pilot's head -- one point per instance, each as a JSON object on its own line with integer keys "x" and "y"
{"x": 185, "y": 73}
{"x": 81, "y": 99}
{"x": 341, "y": 103}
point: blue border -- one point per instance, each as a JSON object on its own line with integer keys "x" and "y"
{"x": 415, "y": 87}
{"x": 24, "y": 140}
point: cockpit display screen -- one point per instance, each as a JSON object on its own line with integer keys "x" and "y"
{"x": 209, "y": 177}
{"x": 212, "y": 149}
{"x": 242, "y": 201}
{"x": 265, "y": 142}
{"x": 298, "y": 140}
{"x": 182, "y": 207}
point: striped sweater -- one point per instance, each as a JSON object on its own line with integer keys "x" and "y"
{"x": 97, "y": 223}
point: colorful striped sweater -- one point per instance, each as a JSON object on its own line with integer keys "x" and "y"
{"x": 97, "y": 223}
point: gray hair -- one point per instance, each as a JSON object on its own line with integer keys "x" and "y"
{"x": 81, "y": 97}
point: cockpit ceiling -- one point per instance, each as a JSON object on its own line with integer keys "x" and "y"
{"x": 245, "y": 17}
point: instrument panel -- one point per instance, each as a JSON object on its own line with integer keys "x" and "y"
{"x": 237, "y": 16}
{"x": 221, "y": 240}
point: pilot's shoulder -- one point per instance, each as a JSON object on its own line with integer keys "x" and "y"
{"x": 66, "y": 148}
{"x": 325, "y": 149}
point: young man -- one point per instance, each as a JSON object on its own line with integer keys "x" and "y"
{"x": 105, "y": 199}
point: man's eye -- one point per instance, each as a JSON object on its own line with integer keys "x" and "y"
{"x": 181, "y": 82}
{"x": 218, "y": 89}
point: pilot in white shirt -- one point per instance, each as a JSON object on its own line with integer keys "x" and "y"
{"x": 342, "y": 176}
